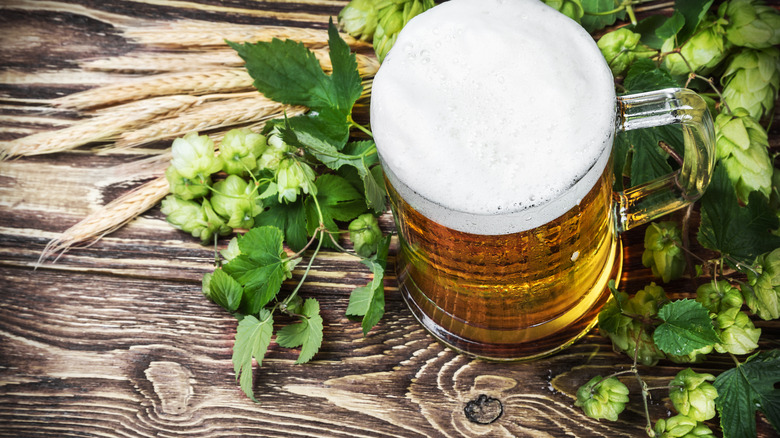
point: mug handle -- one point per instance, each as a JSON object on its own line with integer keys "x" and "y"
{"x": 687, "y": 184}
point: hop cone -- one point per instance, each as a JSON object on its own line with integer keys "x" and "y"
{"x": 692, "y": 395}
{"x": 762, "y": 293}
{"x": 681, "y": 426}
{"x": 292, "y": 177}
{"x": 240, "y": 149}
{"x": 186, "y": 188}
{"x": 237, "y": 200}
{"x": 621, "y": 48}
{"x": 718, "y": 295}
{"x": 365, "y": 234}
{"x": 663, "y": 250}
{"x": 359, "y": 18}
{"x": 752, "y": 81}
{"x": 602, "y": 398}
{"x": 751, "y": 23}
{"x": 194, "y": 157}
{"x": 703, "y": 51}
{"x": 738, "y": 335}
{"x": 392, "y": 19}
{"x": 741, "y": 146}
{"x": 570, "y": 8}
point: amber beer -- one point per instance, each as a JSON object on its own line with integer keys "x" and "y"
{"x": 494, "y": 123}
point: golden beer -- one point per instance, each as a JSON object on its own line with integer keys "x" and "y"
{"x": 494, "y": 122}
{"x": 523, "y": 294}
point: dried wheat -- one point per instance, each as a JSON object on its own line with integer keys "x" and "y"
{"x": 105, "y": 125}
{"x": 189, "y": 83}
{"x": 109, "y": 218}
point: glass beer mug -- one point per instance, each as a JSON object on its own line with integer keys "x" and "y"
{"x": 494, "y": 122}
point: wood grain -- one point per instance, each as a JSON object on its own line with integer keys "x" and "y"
{"x": 116, "y": 340}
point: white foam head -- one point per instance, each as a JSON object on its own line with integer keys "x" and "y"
{"x": 501, "y": 111}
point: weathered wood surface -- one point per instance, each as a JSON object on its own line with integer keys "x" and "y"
{"x": 115, "y": 339}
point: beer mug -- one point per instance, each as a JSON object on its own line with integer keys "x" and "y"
{"x": 494, "y": 122}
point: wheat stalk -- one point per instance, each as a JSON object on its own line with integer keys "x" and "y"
{"x": 111, "y": 217}
{"x": 193, "y": 33}
{"x": 189, "y": 83}
{"x": 207, "y": 116}
{"x": 104, "y": 126}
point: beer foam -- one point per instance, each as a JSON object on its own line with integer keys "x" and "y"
{"x": 500, "y": 111}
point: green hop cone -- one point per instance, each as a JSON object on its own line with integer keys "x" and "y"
{"x": 737, "y": 334}
{"x": 752, "y": 80}
{"x": 762, "y": 293}
{"x": 274, "y": 153}
{"x": 186, "y": 188}
{"x": 237, "y": 200}
{"x": 570, "y": 8}
{"x": 199, "y": 220}
{"x": 647, "y": 301}
{"x": 292, "y": 177}
{"x": 621, "y": 48}
{"x": 681, "y": 426}
{"x": 633, "y": 334}
{"x": 194, "y": 157}
{"x": 359, "y": 18}
{"x": 602, "y": 398}
{"x": 741, "y": 146}
{"x": 392, "y": 18}
{"x": 718, "y": 295}
{"x": 751, "y": 23}
{"x": 365, "y": 234}
{"x": 663, "y": 250}
{"x": 239, "y": 151}
{"x": 703, "y": 51}
{"x": 692, "y": 395}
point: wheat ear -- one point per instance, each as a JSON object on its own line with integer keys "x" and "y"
{"x": 104, "y": 126}
{"x": 109, "y": 218}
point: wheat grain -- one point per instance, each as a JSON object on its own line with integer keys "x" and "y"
{"x": 208, "y": 116}
{"x": 111, "y": 217}
{"x": 106, "y": 125}
{"x": 189, "y": 83}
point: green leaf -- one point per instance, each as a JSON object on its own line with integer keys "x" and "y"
{"x": 671, "y": 26}
{"x": 260, "y": 268}
{"x": 687, "y": 327}
{"x": 328, "y": 125}
{"x": 287, "y": 72}
{"x": 743, "y": 233}
{"x": 338, "y": 201}
{"x": 346, "y": 78}
{"x": 693, "y": 12}
{"x": 374, "y": 187}
{"x": 647, "y": 28}
{"x": 746, "y": 388}
{"x": 644, "y": 75}
{"x": 289, "y": 217}
{"x": 611, "y": 315}
{"x": 592, "y": 22}
{"x": 306, "y": 334}
{"x": 369, "y": 301}
{"x": 225, "y": 290}
{"x": 253, "y": 337}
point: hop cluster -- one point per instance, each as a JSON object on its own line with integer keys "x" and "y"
{"x": 602, "y": 398}
{"x": 762, "y": 292}
{"x": 737, "y": 333}
{"x": 204, "y": 207}
{"x": 380, "y": 21}
{"x": 741, "y": 146}
{"x": 701, "y": 53}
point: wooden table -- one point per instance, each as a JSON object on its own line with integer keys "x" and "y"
{"x": 116, "y": 339}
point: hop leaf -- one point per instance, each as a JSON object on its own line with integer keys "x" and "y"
{"x": 692, "y": 395}
{"x": 762, "y": 293}
{"x": 240, "y": 149}
{"x": 237, "y": 200}
{"x": 741, "y": 146}
{"x": 306, "y": 334}
{"x": 752, "y": 80}
{"x": 194, "y": 157}
{"x": 751, "y": 23}
{"x": 663, "y": 250}
{"x": 602, "y": 398}
{"x": 621, "y": 48}
{"x": 252, "y": 340}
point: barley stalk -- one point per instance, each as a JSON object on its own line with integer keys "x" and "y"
{"x": 190, "y": 83}
{"x": 105, "y": 125}
{"x": 111, "y": 217}
{"x": 208, "y": 116}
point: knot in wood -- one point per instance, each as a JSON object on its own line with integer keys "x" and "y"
{"x": 483, "y": 409}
